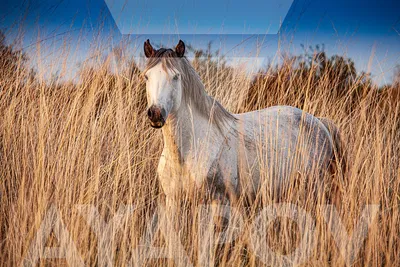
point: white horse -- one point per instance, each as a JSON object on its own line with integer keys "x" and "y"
{"x": 207, "y": 146}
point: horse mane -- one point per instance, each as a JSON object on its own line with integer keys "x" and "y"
{"x": 194, "y": 92}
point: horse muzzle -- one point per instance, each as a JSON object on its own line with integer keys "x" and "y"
{"x": 157, "y": 116}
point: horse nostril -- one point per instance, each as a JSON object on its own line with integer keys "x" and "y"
{"x": 150, "y": 113}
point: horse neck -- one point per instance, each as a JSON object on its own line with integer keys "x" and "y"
{"x": 185, "y": 128}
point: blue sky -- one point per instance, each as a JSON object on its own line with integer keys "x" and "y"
{"x": 366, "y": 31}
{"x": 198, "y": 17}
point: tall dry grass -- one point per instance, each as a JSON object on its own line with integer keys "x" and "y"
{"x": 65, "y": 144}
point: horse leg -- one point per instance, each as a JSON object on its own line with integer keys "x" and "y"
{"x": 220, "y": 236}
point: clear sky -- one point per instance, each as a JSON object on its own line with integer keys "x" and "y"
{"x": 198, "y": 17}
{"x": 357, "y": 29}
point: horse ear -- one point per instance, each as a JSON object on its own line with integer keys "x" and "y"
{"x": 180, "y": 49}
{"x": 148, "y": 49}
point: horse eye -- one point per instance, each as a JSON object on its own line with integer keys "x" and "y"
{"x": 176, "y": 77}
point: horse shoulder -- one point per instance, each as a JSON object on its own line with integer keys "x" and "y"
{"x": 222, "y": 172}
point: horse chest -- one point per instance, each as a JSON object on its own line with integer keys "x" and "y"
{"x": 191, "y": 174}
{"x": 175, "y": 176}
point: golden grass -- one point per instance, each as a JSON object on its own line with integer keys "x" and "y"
{"x": 65, "y": 144}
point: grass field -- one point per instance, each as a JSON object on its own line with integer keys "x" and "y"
{"x": 64, "y": 144}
